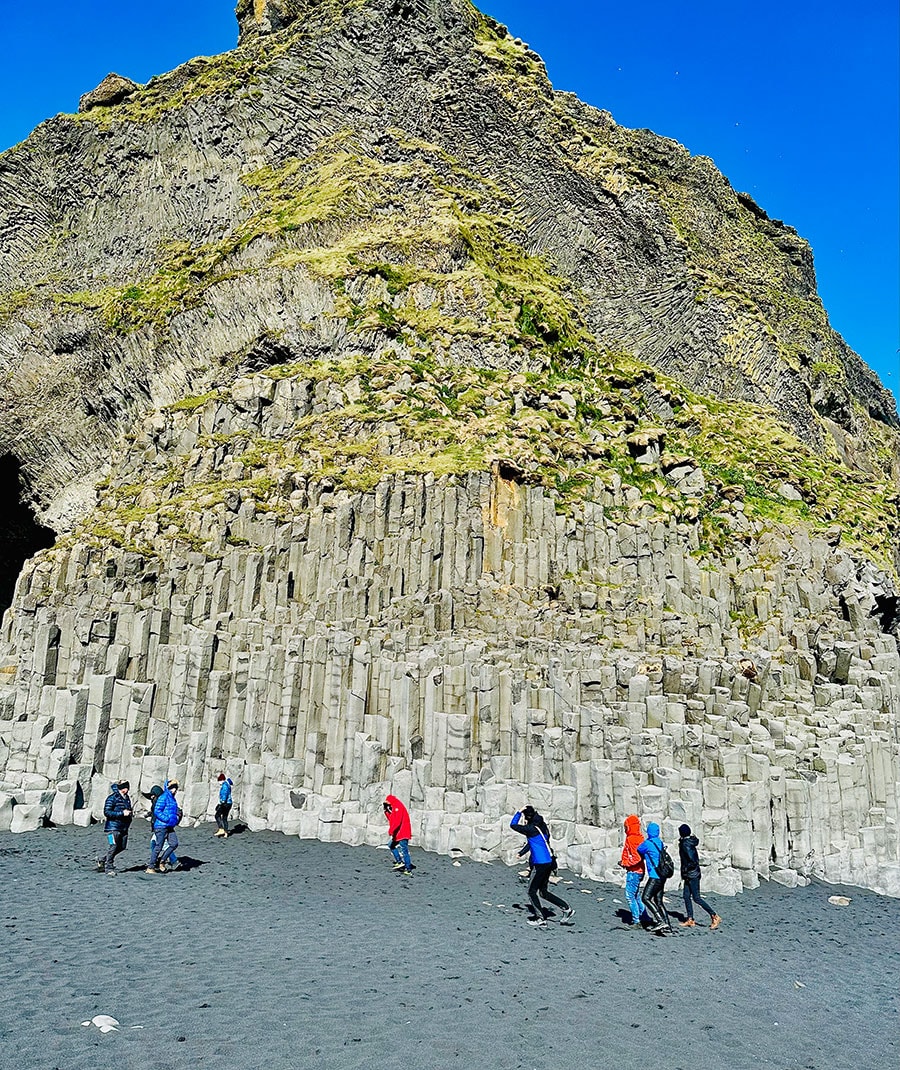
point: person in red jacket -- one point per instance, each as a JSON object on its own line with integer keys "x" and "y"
{"x": 633, "y": 864}
{"x": 401, "y": 831}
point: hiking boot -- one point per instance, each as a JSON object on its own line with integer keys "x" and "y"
{"x": 569, "y": 912}
{"x": 689, "y": 924}
{"x": 224, "y": 835}
{"x": 716, "y": 921}
{"x": 220, "y": 832}
{"x": 163, "y": 867}
{"x": 151, "y": 869}
{"x": 407, "y": 872}
{"x": 538, "y": 923}
{"x": 398, "y": 866}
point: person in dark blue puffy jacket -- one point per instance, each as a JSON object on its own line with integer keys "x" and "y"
{"x": 652, "y": 896}
{"x": 543, "y": 865}
{"x": 166, "y": 815}
{"x": 118, "y": 811}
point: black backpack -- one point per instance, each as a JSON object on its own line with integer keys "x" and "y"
{"x": 665, "y": 867}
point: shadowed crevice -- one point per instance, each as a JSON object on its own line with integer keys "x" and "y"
{"x": 21, "y": 535}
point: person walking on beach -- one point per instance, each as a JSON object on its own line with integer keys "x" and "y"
{"x": 533, "y": 818}
{"x": 543, "y": 864}
{"x": 166, "y": 815}
{"x": 690, "y": 874}
{"x": 118, "y": 811}
{"x": 400, "y": 829}
{"x": 633, "y": 864}
{"x": 224, "y": 806}
{"x": 657, "y": 860}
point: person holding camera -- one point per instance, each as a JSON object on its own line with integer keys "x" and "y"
{"x": 543, "y": 864}
{"x": 118, "y": 811}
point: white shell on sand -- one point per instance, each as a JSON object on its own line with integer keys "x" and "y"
{"x": 839, "y": 900}
{"x": 104, "y": 1022}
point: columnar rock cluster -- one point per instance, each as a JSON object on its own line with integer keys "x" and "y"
{"x": 457, "y": 641}
{"x": 407, "y": 425}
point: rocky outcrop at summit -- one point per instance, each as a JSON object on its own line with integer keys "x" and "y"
{"x": 112, "y": 90}
{"x": 407, "y": 424}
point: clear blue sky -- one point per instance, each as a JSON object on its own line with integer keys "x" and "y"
{"x": 797, "y": 103}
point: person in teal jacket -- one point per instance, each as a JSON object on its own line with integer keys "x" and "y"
{"x": 224, "y": 805}
{"x": 652, "y": 896}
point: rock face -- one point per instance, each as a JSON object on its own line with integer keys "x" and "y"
{"x": 112, "y": 90}
{"x": 408, "y": 426}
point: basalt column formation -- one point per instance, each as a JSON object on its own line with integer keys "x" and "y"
{"x": 405, "y": 425}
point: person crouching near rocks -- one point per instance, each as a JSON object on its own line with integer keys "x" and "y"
{"x": 542, "y": 867}
{"x": 166, "y": 815}
{"x": 224, "y": 805}
{"x": 690, "y": 874}
{"x": 117, "y": 810}
{"x": 633, "y": 864}
{"x": 651, "y": 850}
{"x": 400, "y": 829}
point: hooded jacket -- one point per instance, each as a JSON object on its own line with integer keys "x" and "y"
{"x": 225, "y": 791}
{"x": 166, "y": 814}
{"x": 114, "y": 810}
{"x": 689, "y": 858}
{"x": 538, "y": 847}
{"x": 631, "y": 856}
{"x": 398, "y": 821}
{"x": 651, "y": 848}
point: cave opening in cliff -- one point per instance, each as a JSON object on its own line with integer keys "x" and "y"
{"x": 21, "y": 535}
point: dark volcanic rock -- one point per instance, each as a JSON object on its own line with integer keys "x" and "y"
{"x": 112, "y": 90}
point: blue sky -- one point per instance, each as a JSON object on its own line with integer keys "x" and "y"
{"x": 797, "y": 103}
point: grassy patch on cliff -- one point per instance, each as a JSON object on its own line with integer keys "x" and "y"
{"x": 565, "y": 429}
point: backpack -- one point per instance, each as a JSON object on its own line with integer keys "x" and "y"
{"x": 665, "y": 867}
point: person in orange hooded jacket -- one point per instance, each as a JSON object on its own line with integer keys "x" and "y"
{"x": 400, "y": 829}
{"x": 633, "y": 865}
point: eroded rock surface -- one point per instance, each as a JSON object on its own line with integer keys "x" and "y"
{"x": 408, "y": 425}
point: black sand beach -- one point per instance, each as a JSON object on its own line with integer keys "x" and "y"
{"x": 286, "y": 954}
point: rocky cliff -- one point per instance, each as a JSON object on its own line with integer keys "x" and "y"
{"x": 402, "y": 422}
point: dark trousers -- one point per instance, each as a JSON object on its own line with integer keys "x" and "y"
{"x": 222, "y": 811}
{"x": 118, "y": 845}
{"x": 653, "y": 900}
{"x": 160, "y": 850}
{"x": 692, "y": 891}
{"x": 538, "y": 887}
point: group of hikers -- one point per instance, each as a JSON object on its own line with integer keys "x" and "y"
{"x": 165, "y": 816}
{"x": 641, "y": 856}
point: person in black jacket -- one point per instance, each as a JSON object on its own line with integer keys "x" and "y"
{"x": 690, "y": 874}
{"x": 117, "y": 810}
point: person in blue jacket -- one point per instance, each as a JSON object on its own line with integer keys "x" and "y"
{"x": 542, "y": 862}
{"x": 224, "y": 806}
{"x": 652, "y": 896}
{"x": 166, "y": 815}
{"x": 118, "y": 811}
